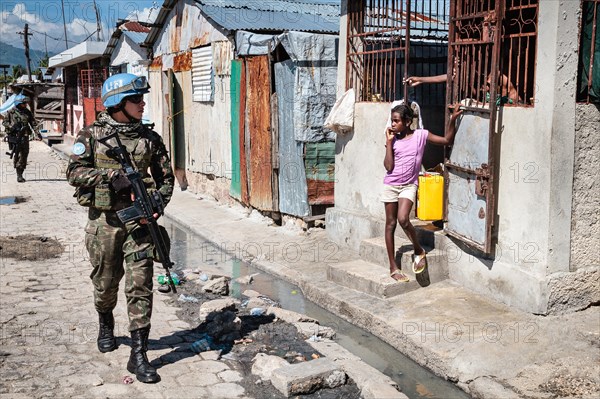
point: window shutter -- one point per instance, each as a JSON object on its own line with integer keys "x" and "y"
{"x": 202, "y": 74}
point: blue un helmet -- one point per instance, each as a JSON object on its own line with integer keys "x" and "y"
{"x": 20, "y": 99}
{"x": 122, "y": 85}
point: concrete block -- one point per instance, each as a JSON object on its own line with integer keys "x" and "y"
{"x": 289, "y": 315}
{"x": 208, "y": 310}
{"x": 307, "y": 377}
{"x": 369, "y": 278}
{"x": 263, "y": 365}
{"x": 308, "y": 329}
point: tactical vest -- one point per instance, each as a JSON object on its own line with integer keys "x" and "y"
{"x": 140, "y": 152}
{"x": 24, "y": 118}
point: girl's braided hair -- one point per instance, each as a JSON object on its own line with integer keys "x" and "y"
{"x": 406, "y": 112}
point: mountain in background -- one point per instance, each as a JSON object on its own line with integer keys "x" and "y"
{"x": 16, "y": 56}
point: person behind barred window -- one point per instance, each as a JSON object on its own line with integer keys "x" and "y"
{"x": 403, "y": 157}
{"x": 103, "y": 187}
{"x": 507, "y": 92}
{"x": 18, "y": 123}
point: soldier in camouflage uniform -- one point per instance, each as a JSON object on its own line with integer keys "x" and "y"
{"x": 17, "y": 124}
{"x": 102, "y": 186}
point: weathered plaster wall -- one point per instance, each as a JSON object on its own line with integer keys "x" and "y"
{"x": 535, "y": 178}
{"x": 585, "y": 221}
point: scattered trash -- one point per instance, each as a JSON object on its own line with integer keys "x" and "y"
{"x": 300, "y": 358}
{"x": 294, "y": 292}
{"x": 204, "y": 277}
{"x": 315, "y": 356}
{"x": 244, "y": 303}
{"x": 314, "y": 338}
{"x": 127, "y": 379}
{"x": 257, "y": 311}
{"x": 162, "y": 279}
{"x": 243, "y": 341}
{"x": 206, "y": 343}
{"x": 268, "y": 301}
{"x": 187, "y": 298}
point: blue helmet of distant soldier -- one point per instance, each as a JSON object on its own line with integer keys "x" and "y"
{"x": 122, "y": 85}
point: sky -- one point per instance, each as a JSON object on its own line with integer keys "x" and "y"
{"x": 45, "y": 19}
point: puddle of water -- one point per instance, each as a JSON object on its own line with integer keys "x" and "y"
{"x": 190, "y": 251}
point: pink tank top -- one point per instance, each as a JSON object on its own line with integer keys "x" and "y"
{"x": 408, "y": 154}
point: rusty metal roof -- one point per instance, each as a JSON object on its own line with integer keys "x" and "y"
{"x": 274, "y": 18}
{"x": 264, "y": 15}
{"x": 132, "y": 29}
{"x": 134, "y": 26}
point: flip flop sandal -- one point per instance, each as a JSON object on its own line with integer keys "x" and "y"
{"x": 419, "y": 263}
{"x": 403, "y": 278}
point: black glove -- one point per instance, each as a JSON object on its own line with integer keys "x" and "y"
{"x": 120, "y": 182}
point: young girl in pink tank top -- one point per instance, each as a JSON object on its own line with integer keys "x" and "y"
{"x": 403, "y": 156}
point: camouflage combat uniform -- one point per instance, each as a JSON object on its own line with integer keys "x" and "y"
{"x": 107, "y": 239}
{"x": 24, "y": 117}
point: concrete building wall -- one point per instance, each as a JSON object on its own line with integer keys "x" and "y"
{"x": 585, "y": 221}
{"x": 534, "y": 171}
{"x": 127, "y": 52}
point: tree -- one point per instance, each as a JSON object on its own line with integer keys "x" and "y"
{"x": 17, "y": 72}
{"x": 44, "y": 61}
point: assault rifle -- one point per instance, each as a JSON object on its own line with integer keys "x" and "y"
{"x": 144, "y": 205}
{"x": 14, "y": 139}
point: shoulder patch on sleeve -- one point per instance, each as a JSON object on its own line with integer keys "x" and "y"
{"x": 78, "y": 149}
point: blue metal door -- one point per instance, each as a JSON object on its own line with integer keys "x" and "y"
{"x": 473, "y": 59}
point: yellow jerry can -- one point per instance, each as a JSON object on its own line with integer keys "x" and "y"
{"x": 430, "y": 197}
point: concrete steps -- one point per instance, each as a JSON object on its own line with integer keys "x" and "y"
{"x": 373, "y": 250}
{"x": 370, "y": 273}
{"x": 369, "y": 278}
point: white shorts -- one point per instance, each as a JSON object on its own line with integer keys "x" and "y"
{"x": 393, "y": 193}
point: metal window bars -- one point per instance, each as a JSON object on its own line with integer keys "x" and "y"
{"x": 91, "y": 82}
{"x": 390, "y": 39}
{"x": 383, "y": 35}
{"x": 479, "y": 72}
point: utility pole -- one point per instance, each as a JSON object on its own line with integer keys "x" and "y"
{"x": 26, "y": 35}
{"x": 64, "y": 24}
{"x": 98, "y": 25}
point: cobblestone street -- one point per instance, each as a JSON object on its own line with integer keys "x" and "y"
{"x": 49, "y": 325}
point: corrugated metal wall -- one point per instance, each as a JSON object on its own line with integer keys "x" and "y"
{"x": 185, "y": 29}
{"x": 319, "y": 161}
{"x": 292, "y": 179}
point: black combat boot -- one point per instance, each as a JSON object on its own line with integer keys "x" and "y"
{"x": 20, "y": 178}
{"x": 106, "y": 337}
{"x": 138, "y": 361}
